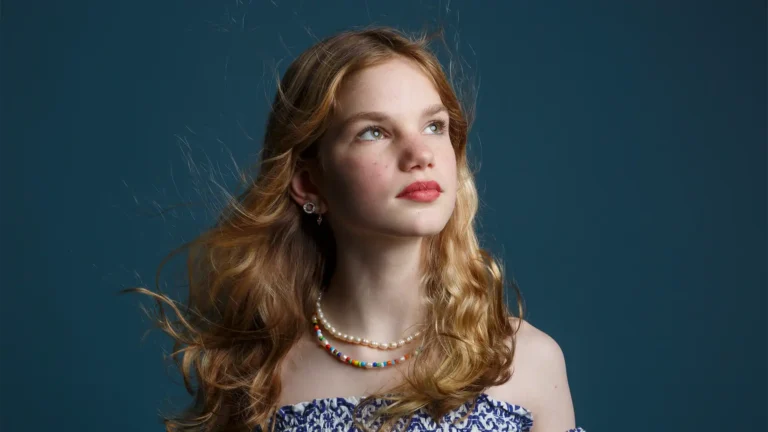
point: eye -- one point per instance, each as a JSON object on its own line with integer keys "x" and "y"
{"x": 437, "y": 127}
{"x": 371, "y": 133}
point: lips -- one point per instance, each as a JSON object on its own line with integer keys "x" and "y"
{"x": 420, "y": 186}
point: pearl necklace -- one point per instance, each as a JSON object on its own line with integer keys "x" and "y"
{"x": 358, "y": 363}
{"x": 360, "y": 341}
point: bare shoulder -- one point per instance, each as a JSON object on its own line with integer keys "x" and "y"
{"x": 536, "y": 356}
{"x": 534, "y": 346}
{"x": 539, "y": 380}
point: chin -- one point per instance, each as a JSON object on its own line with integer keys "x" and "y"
{"x": 420, "y": 228}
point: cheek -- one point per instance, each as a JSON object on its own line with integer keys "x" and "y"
{"x": 448, "y": 162}
{"x": 362, "y": 181}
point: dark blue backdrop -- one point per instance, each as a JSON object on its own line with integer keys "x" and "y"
{"x": 623, "y": 181}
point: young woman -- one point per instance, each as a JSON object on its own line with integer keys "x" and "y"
{"x": 345, "y": 289}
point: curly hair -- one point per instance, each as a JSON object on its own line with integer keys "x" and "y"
{"x": 255, "y": 276}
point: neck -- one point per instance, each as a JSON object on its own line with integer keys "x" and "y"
{"x": 376, "y": 290}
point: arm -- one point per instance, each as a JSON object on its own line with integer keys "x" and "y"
{"x": 541, "y": 360}
{"x": 555, "y": 407}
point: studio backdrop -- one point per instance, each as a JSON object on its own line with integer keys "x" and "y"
{"x": 620, "y": 150}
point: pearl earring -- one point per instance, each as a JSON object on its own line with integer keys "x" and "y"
{"x": 309, "y": 208}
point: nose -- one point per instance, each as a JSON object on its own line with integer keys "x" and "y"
{"x": 416, "y": 155}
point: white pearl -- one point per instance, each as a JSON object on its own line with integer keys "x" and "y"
{"x": 401, "y": 342}
{"x": 402, "y": 358}
{"x": 358, "y": 340}
{"x": 366, "y": 342}
{"x": 333, "y": 330}
{"x": 374, "y": 344}
{"x": 392, "y": 345}
{"x": 384, "y": 346}
{"x": 409, "y": 339}
{"x": 417, "y": 334}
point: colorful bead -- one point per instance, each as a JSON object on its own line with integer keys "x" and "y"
{"x": 358, "y": 363}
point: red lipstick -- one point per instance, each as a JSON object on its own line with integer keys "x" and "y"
{"x": 423, "y": 191}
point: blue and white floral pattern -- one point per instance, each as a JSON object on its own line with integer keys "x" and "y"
{"x": 335, "y": 415}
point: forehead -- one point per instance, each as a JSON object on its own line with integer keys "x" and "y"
{"x": 395, "y": 86}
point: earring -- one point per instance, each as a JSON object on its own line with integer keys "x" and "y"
{"x": 309, "y": 208}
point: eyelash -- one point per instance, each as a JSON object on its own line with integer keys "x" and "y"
{"x": 440, "y": 123}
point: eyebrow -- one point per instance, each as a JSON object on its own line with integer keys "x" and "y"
{"x": 380, "y": 116}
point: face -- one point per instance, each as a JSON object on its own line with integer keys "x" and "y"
{"x": 390, "y": 130}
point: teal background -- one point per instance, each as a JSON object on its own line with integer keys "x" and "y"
{"x": 623, "y": 181}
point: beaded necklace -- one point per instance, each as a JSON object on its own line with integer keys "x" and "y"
{"x": 358, "y": 340}
{"x": 357, "y": 363}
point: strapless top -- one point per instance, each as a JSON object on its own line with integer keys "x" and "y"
{"x": 335, "y": 414}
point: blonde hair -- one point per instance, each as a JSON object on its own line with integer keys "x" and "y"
{"x": 255, "y": 276}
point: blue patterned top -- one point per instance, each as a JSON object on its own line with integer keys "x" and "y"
{"x": 335, "y": 414}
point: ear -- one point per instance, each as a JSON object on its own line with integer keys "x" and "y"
{"x": 305, "y": 188}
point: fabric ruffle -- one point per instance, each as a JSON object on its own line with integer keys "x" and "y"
{"x": 336, "y": 415}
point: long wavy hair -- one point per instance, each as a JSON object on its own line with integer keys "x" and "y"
{"x": 255, "y": 276}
